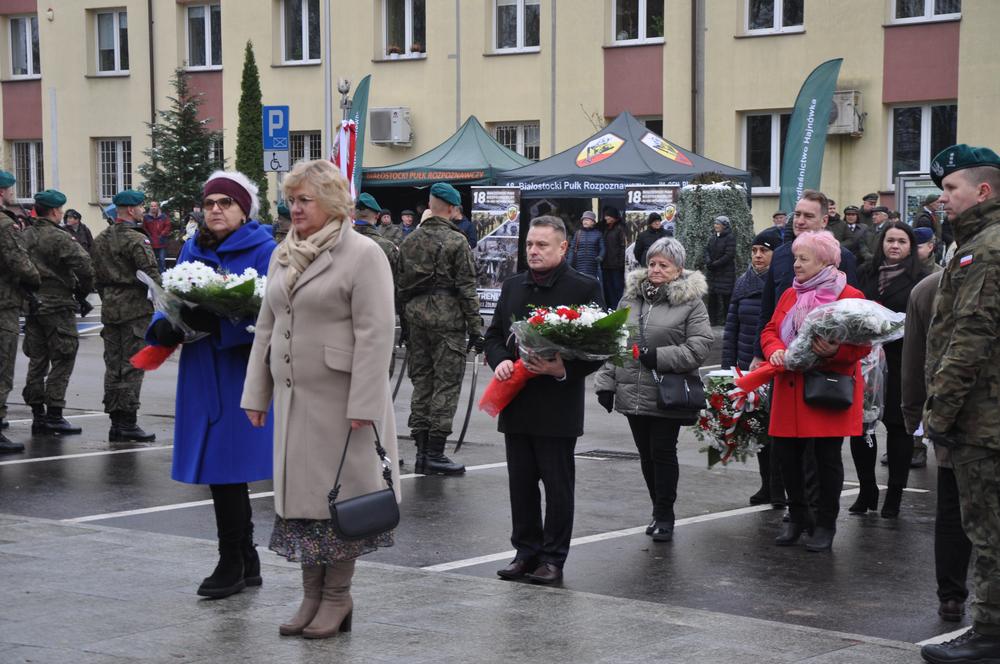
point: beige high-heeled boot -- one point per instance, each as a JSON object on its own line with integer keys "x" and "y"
{"x": 336, "y": 608}
{"x": 312, "y": 592}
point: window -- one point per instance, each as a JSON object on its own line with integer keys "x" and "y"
{"x": 915, "y": 11}
{"x": 769, "y": 16}
{"x": 204, "y": 31}
{"x": 521, "y": 137}
{"x": 306, "y": 145}
{"x": 114, "y": 167}
{"x": 24, "y": 56}
{"x": 919, "y": 133}
{"x": 763, "y": 146}
{"x": 112, "y": 43}
{"x": 404, "y": 27}
{"x": 28, "y": 169}
{"x": 637, "y": 21}
{"x": 216, "y": 153}
{"x": 516, "y": 23}
{"x": 300, "y": 30}
{"x": 654, "y": 123}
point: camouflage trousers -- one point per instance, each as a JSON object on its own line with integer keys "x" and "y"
{"x": 50, "y": 342}
{"x": 122, "y": 381}
{"x": 437, "y": 366}
{"x": 8, "y": 353}
{"x": 977, "y": 470}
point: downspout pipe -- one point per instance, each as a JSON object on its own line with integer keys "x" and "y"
{"x": 698, "y": 76}
{"x": 152, "y": 68}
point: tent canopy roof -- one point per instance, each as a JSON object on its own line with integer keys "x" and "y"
{"x": 622, "y": 154}
{"x": 469, "y": 156}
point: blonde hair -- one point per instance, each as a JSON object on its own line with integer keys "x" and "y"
{"x": 332, "y": 191}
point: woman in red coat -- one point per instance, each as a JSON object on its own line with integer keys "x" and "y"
{"x": 793, "y": 421}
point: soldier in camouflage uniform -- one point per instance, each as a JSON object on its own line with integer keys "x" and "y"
{"x": 50, "y": 336}
{"x": 389, "y": 230}
{"x": 365, "y": 211}
{"x": 119, "y": 251}
{"x": 963, "y": 370}
{"x": 18, "y": 276}
{"x": 283, "y": 223}
{"x": 437, "y": 290}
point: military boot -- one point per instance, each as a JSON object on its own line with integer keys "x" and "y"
{"x": 56, "y": 423}
{"x": 7, "y": 446}
{"x": 420, "y": 440}
{"x": 39, "y": 422}
{"x": 125, "y": 429}
{"x": 435, "y": 462}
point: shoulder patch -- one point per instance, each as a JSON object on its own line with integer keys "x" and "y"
{"x": 145, "y": 240}
{"x": 965, "y": 261}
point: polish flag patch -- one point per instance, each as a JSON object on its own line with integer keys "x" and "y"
{"x": 965, "y": 261}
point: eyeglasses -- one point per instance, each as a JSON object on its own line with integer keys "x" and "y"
{"x": 223, "y": 203}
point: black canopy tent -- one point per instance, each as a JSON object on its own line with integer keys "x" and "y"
{"x": 622, "y": 154}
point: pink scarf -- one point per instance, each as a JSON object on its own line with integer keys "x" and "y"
{"x": 826, "y": 286}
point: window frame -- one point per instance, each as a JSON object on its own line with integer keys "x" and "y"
{"x": 303, "y": 35}
{"x": 926, "y": 124}
{"x": 312, "y": 142}
{"x": 642, "y": 39}
{"x": 34, "y": 71}
{"x": 775, "y": 188}
{"x": 520, "y": 48}
{"x": 779, "y": 11}
{"x": 36, "y": 167}
{"x": 207, "y": 19}
{"x": 407, "y": 52}
{"x": 928, "y": 16}
{"x": 520, "y": 138}
{"x": 123, "y": 179}
{"x": 116, "y": 30}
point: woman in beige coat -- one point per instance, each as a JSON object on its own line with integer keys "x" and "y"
{"x": 321, "y": 352}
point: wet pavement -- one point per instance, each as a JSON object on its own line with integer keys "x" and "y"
{"x": 101, "y": 551}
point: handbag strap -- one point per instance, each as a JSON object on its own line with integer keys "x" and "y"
{"x": 386, "y": 465}
{"x": 642, "y": 336}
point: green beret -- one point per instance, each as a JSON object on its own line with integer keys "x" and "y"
{"x": 366, "y": 200}
{"x": 51, "y": 198}
{"x": 959, "y": 157}
{"x": 6, "y": 180}
{"x": 283, "y": 210}
{"x": 129, "y": 198}
{"x": 446, "y": 193}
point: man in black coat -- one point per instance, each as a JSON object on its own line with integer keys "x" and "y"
{"x": 542, "y": 423}
{"x": 654, "y": 231}
{"x": 720, "y": 264}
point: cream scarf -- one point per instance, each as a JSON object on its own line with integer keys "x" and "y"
{"x": 297, "y": 254}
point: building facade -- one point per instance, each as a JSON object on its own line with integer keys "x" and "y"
{"x": 79, "y": 79}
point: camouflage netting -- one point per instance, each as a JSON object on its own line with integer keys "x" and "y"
{"x": 698, "y": 205}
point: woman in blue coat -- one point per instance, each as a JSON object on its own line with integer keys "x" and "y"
{"x": 214, "y": 442}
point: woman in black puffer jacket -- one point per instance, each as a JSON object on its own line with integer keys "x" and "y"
{"x": 720, "y": 266}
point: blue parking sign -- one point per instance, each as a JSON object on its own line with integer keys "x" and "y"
{"x": 275, "y": 123}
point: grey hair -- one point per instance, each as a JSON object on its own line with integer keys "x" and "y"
{"x": 549, "y": 221}
{"x": 670, "y": 248}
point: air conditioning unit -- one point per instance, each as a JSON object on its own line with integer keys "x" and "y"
{"x": 390, "y": 126}
{"x": 846, "y": 116}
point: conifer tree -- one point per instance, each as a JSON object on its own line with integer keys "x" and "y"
{"x": 249, "y": 133}
{"x": 180, "y": 159}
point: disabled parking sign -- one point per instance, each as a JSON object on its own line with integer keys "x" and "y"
{"x": 275, "y": 123}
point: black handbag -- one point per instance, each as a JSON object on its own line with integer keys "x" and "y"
{"x": 369, "y": 514}
{"x": 683, "y": 393}
{"x": 827, "y": 389}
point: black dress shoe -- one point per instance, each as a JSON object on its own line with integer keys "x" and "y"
{"x": 651, "y": 527}
{"x": 790, "y": 533}
{"x": 546, "y": 574}
{"x": 969, "y": 647}
{"x": 821, "y": 539}
{"x": 7, "y": 446}
{"x": 516, "y": 570}
{"x": 762, "y": 496}
{"x": 663, "y": 531}
{"x": 952, "y": 610}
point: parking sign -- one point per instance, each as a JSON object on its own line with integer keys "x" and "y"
{"x": 275, "y": 134}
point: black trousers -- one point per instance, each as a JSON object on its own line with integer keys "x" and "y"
{"x": 899, "y": 446}
{"x": 829, "y": 472}
{"x": 549, "y": 460}
{"x": 952, "y": 548}
{"x": 233, "y": 515}
{"x": 656, "y": 440}
{"x": 718, "y": 307}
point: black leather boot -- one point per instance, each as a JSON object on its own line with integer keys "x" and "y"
{"x": 893, "y": 497}
{"x": 420, "y": 440}
{"x": 125, "y": 429}
{"x": 820, "y": 540}
{"x": 230, "y": 519}
{"x": 969, "y": 647}
{"x": 763, "y": 494}
{"x": 790, "y": 533}
{"x": 251, "y": 561}
{"x": 7, "y": 446}
{"x": 58, "y": 424}
{"x": 436, "y": 463}
{"x": 39, "y": 421}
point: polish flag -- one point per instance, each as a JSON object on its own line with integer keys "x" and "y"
{"x": 344, "y": 151}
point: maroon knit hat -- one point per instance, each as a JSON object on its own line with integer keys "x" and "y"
{"x": 231, "y": 188}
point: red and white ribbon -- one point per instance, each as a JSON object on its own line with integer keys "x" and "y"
{"x": 344, "y": 151}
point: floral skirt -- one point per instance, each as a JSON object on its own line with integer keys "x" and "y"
{"x": 314, "y": 542}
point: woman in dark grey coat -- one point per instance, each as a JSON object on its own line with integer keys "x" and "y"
{"x": 672, "y": 330}
{"x": 720, "y": 263}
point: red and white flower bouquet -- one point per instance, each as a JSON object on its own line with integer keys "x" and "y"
{"x": 733, "y": 428}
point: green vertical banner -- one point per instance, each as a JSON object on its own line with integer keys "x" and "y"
{"x": 359, "y": 114}
{"x": 802, "y": 161}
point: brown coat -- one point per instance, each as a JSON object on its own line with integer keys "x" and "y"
{"x": 914, "y": 383}
{"x": 322, "y": 353}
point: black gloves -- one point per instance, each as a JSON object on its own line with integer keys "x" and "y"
{"x": 477, "y": 342}
{"x": 648, "y": 359}
{"x": 85, "y": 307}
{"x": 200, "y": 319}
{"x": 949, "y": 439}
{"x": 607, "y": 399}
{"x": 166, "y": 334}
